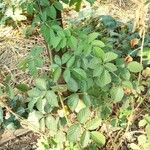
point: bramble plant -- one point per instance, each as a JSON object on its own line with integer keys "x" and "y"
{"x": 71, "y": 102}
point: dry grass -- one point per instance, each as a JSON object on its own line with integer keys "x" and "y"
{"x": 14, "y": 47}
{"x": 122, "y": 10}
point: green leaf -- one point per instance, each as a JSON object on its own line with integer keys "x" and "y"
{"x": 135, "y": 67}
{"x": 58, "y": 5}
{"x": 61, "y": 33}
{"x": 94, "y": 63}
{"x": 117, "y": 93}
{"x": 78, "y": 5}
{"x": 53, "y": 37}
{"x": 10, "y": 126}
{"x": 93, "y": 124}
{"x": 32, "y": 68}
{"x": 44, "y": 2}
{"x": 51, "y": 12}
{"x": 87, "y": 50}
{"x": 34, "y": 92}
{"x": 72, "y": 41}
{"x": 104, "y": 79}
{"x": 127, "y": 84}
{"x": 79, "y": 73}
{"x": 125, "y": 74}
{"x": 145, "y": 53}
{"x": 72, "y": 85}
{"x": 92, "y": 36}
{"x": 34, "y": 118}
{"x": 79, "y": 49}
{"x": 56, "y": 41}
{"x": 98, "y": 43}
{"x": 83, "y": 115}
{"x": 65, "y": 57}
{"x": 74, "y": 132}
{"x": 109, "y": 22}
{"x": 71, "y": 62}
{"x": 36, "y": 51}
{"x": 40, "y": 105}
{"x": 57, "y": 60}
{"x": 51, "y": 123}
{"x": 57, "y": 74}
{"x": 73, "y": 101}
{"x": 63, "y": 43}
{"x": 72, "y": 2}
{"x": 60, "y": 137}
{"x": 52, "y": 98}
{"x": 109, "y": 56}
{"x": 36, "y": 19}
{"x": 80, "y": 106}
{"x": 98, "y": 52}
{"x": 22, "y": 87}
{"x": 67, "y": 32}
{"x": 105, "y": 111}
{"x": 142, "y": 123}
{"x": 111, "y": 67}
{"x": 98, "y": 138}
{"x": 67, "y": 75}
{"x": 65, "y": 1}
{"x": 40, "y": 84}
{"x": 38, "y": 62}
{"x": 45, "y": 30}
{"x": 85, "y": 139}
{"x": 42, "y": 124}
{"x": 148, "y": 131}
{"x": 10, "y": 91}
{"x": 92, "y": 146}
{"x": 30, "y": 8}
{"x": 98, "y": 71}
{"x": 87, "y": 100}
{"x": 56, "y": 27}
{"x": 21, "y": 110}
{"x": 31, "y": 103}
{"x": 91, "y": 1}
{"x": 59, "y": 88}
{"x": 147, "y": 118}
{"x": 120, "y": 62}
{"x": 43, "y": 16}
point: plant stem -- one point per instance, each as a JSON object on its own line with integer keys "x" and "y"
{"x": 63, "y": 106}
{"x": 130, "y": 120}
{"x": 49, "y": 53}
{"x": 23, "y": 122}
{"x": 141, "y": 54}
